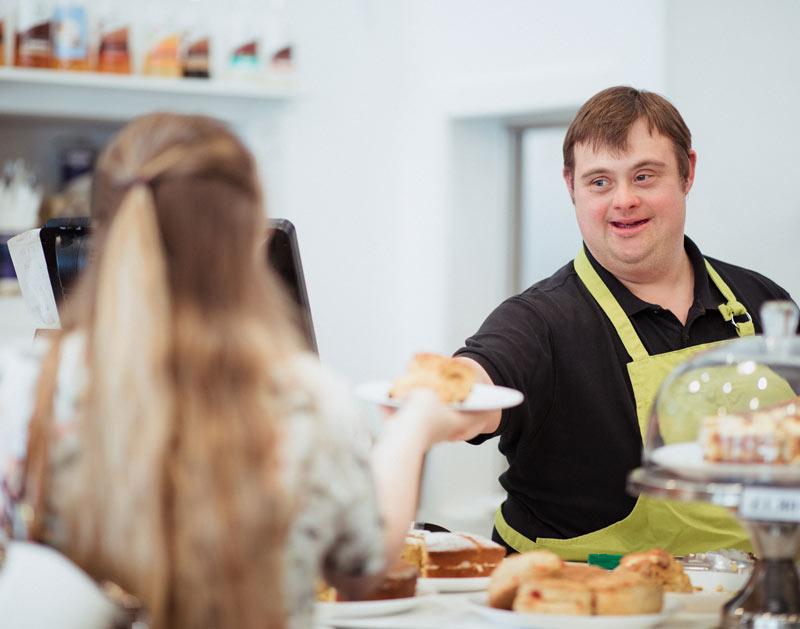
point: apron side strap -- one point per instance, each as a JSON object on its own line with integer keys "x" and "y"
{"x": 732, "y": 308}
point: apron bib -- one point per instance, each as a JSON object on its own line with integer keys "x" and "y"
{"x": 674, "y": 526}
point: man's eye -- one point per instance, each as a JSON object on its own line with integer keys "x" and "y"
{"x": 642, "y": 177}
{"x": 600, "y": 183}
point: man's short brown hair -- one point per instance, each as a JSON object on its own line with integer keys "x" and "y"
{"x": 606, "y": 118}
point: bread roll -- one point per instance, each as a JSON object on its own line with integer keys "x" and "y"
{"x": 515, "y": 569}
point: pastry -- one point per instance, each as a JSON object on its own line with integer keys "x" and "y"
{"x": 660, "y": 565}
{"x": 769, "y": 436}
{"x": 550, "y": 595}
{"x": 517, "y": 568}
{"x": 451, "y": 379}
{"x": 625, "y": 593}
{"x": 452, "y": 555}
{"x": 540, "y": 582}
{"x": 400, "y": 581}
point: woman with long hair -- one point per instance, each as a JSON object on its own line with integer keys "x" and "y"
{"x": 183, "y": 444}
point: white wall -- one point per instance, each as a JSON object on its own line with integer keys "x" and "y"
{"x": 396, "y": 173}
{"x": 734, "y": 72}
{"x": 550, "y": 237}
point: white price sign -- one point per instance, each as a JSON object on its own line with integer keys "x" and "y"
{"x": 765, "y": 503}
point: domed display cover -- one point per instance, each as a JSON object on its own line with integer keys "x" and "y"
{"x": 732, "y": 413}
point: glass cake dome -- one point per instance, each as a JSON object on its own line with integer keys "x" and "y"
{"x": 732, "y": 412}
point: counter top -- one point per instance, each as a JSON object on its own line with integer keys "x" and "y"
{"x": 443, "y": 611}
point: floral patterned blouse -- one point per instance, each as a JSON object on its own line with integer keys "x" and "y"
{"x": 325, "y": 465}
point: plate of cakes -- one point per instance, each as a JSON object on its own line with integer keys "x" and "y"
{"x": 395, "y": 594}
{"x": 452, "y": 561}
{"x": 452, "y": 380}
{"x": 539, "y": 589}
{"x": 760, "y": 445}
{"x": 479, "y": 604}
{"x": 345, "y": 610}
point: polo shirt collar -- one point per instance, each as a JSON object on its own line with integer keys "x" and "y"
{"x": 631, "y": 304}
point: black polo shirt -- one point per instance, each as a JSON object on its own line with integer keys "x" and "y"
{"x": 571, "y": 444}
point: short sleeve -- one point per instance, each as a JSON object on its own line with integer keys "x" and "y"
{"x": 514, "y": 346}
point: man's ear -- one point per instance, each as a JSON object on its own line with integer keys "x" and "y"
{"x": 690, "y": 177}
{"x": 569, "y": 179}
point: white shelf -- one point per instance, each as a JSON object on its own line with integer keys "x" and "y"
{"x": 94, "y": 96}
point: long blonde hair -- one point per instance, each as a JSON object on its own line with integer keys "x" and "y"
{"x": 176, "y": 493}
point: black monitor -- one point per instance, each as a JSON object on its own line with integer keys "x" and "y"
{"x": 66, "y": 249}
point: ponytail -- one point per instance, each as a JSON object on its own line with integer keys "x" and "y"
{"x": 129, "y": 350}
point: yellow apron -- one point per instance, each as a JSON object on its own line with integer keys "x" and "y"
{"x": 677, "y": 527}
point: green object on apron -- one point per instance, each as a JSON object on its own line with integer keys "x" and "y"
{"x": 676, "y": 527}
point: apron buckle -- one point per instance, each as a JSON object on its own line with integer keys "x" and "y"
{"x": 748, "y": 319}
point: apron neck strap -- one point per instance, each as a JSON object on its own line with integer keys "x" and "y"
{"x": 610, "y": 306}
{"x": 732, "y": 308}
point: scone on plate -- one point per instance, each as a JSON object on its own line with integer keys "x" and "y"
{"x": 622, "y": 593}
{"x": 553, "y": 596}
{"x": 590, "y": 592}
{"x": 451, "y": 379}
{"x": 541, "y": 582}
{"x": 581, "y": 572}
{"x": 515, "y": 569}
{"x": 660, "y": 565}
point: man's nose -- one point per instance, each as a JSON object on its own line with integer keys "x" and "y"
{"x": 625, "y": 197}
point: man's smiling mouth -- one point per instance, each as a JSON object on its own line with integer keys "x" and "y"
{"x": 629, "y": 225}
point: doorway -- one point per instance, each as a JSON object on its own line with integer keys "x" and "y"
{"x": 544, "y": 232}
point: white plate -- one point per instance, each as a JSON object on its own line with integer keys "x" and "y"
{"x": 716, "y": 589}
{"x": 698, "y": 603}
{"x": 687, "y": 460}
{"x": 464, "y": 584}
{"x": 479, "y": 603}
{"x": 483, "y": 397}
{"x": 715, "y": 582}
{"x": 363, "y": 609}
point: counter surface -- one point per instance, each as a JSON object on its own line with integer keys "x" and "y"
{"x": 444, "y": 611}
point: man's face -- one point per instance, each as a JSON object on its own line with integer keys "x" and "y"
{"x": 631, "y": 207}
